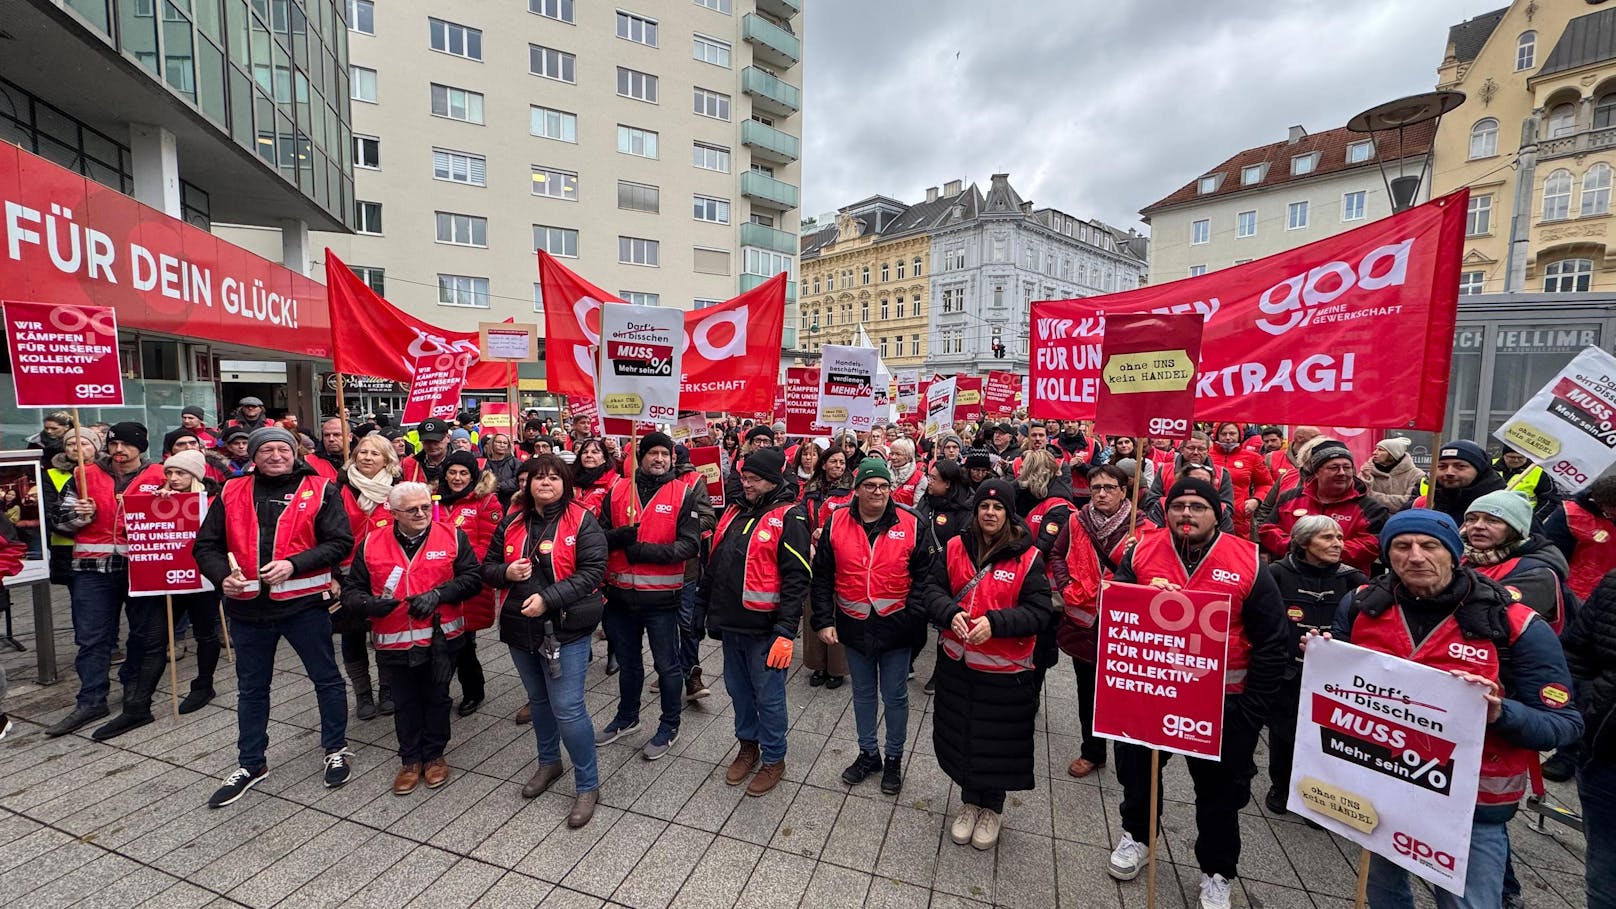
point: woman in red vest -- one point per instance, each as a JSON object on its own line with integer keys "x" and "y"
{"x": 593, "y": 474}
{"x": 804, "y": 461}
{"x": 467, "y": 501}
{"x": 989, "y": 596}
{"x": 366, "y": 480}
{"x": 1584, "y": 531}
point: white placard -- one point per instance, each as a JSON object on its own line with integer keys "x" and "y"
{"x": 908, "y": 399}
{"x": 1569, "y": 427}
{"x": 640, "y": 375}
{"x": 847, "y": 387}
{"x": 940, "y": 396}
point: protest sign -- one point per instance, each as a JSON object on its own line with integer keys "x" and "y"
{"x": 587, "y": 407}
{"x": 507, "y": 341}
{"x": 689, "y": 428}
{"x": 1159, "y": 682}
{"x": 1147, "y": 375}
{"x": 1566, "y": 428}
{"x": 64, "y": 356}
{"x": 495, "y": 416}
{"x": 160, "y": 531}
{"x": 968, "y": 398}
{"x": 999, "y": 394}
{"x": 882, "y": 397}
{"x": 706, "y": 460}
{"x": 908, "y": 397}
{"x": 939, "y": 412}
{"x": 802, "y": 402}
{"x": 435, "y": 388}
{"x": 640, "y": 362}
{"x": 847, "y": 387}
{"x": 1388, "y": 755}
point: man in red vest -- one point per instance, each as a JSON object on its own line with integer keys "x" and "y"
{"x": 1433, "y": 610}
{"x": 92, "y": 514}
{"x": 426, "y": 465}
{"x": 653, "y": 526}
{"x": 1191, "y": 553}
{"x": 269, "y": 543}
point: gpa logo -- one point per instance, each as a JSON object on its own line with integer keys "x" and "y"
{"x": 180, "y": 576}
{"x": 896, "y": 534}
{"x": 1422, "y": 852}
{"x": 437, "y": 554}
{"x": 1005, "y": 575}
{"x": 663, "y": 508}
{"x": 1224, "y": 576}
{"x": 1183, "y": 727}
{"x": 1161, "y": 426}
{"x": 571, "y": 539}
{"x": 1470, "y": 653}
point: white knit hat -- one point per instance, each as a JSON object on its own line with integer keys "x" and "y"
{"x": 192, "y": 462}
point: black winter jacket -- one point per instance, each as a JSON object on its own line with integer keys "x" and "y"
{"x": 1590, "y": 652}
{"x": 357, "y": 598}
{"x": 877, "y": 634}
{"x": 1311, "y": 594}
{"x": 686, "y": 542}
{"x": 1540, "y": 576}
{"x": 942, "y": 519}
{"x": 719, "y": 593}
{"x": 576, "y": 597}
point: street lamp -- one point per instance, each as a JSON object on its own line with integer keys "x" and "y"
{"x": 1399, "y": 115}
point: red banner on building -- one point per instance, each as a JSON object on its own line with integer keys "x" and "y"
{"x": 1147, "y": 375}
{"x": 435, "y": 388}
{"x": 802, "y": 402}
{"x": 1355, "y": 329}
{"x": 999, "y": 394}
{"x": 706, "y": 460}
{"x": 968, "y": 398}
{"x": 160, "y": 530}
{"x": 63, "y": 355}
{"x": 1161, "y": 664}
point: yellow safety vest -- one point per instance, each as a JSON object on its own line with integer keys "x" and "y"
{"x": 58, "y": 479}
{"x": 1526, "y": 482}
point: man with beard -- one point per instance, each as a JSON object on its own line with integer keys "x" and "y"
{"x": 1197, "y": 449}
{"x": 1463, "y": 475}
{"x": 1076, "y": 448}
{"x": 249, "y": 415}
{"x": 532, "y": 434}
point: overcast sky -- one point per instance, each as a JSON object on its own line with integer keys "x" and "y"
{"x": 1094, "y": 108}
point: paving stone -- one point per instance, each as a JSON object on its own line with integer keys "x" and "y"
{"x": 855, "y": 841}
{"x": 562, "y": 898}
{"x": 1080, "y": 876}
{"x": 66, "y": 857}
{"x": 352, "y": 871}
{"x": 808, "y": 822}
{"x": 603, "y": 869}
{"x": 1029, "y": 809}
{"x": 227, "y": 859}
{"x": 710, "y": 806}
{"x": 719, "y": 876}
{"x": 1025, "y": 876}
{"x": 463, "y": 885}
{"x": 778, "y": 881}
{"x": 399, "y": 883}
{"x": 521, "y": 832}
{"x": 515, "y": 891}
{"x": 909, "y": 849}
{"x": 964, "y": 871}
{"x": 678, "y": 782}
{"x": 887, "y": 893}
{"x": 661, "y": 872}
{"x": 755, "y": 820}
{"x": 1260, "y": 895}
{"x": 338, "y": 842}
{"x": 835, "y": 886}
{"x": 554, "y": 858}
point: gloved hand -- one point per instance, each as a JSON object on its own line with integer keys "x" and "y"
{"x": 620, "y": 537}
{"x": 423, "y": 604}
{"x": 780, "y": 654}
{"x": 381, "y": 606}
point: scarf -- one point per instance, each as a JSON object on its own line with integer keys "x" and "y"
{"x": 1494, "y": 556}
{"x": 587, "y": 477}
{"x": 1228, "y": 447}
{"x": 372, "y": 491}
{"x": 1105, "y": 532}
{"x": 901, "y": 475}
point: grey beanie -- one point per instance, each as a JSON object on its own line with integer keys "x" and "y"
{"x": 269, "y": 434}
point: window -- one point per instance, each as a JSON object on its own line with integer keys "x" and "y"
{"x": 373, "y": 278}
{"x": 914, "y": 345}
{"x": 458, "y": 167}
{"x": 1352, "y": 206}
{"x": 1557, "y": 196}
{"x": 1197, "y": 270}
{"x": 638, "y": 29}
{"x": 1568, "y": 276}
{"x": 1252, "y": 173}
{"x": 865, "y": 272}
{"x": 710, "y": 157}
{"x": 699, "y": 303}
{"x": 1484, "y": 138}
{"x": 710, "y": 50}
{"x": 1471, "y": 282}
{"x": 551, "y": 9}
{"x": 1479, "y": 219}
{"x": 1562, "y": 120}
{"x": 714, "y": 210}
{"x": 367, "y": 152}
{"x": 710, "y": 261}
{"x": 635, "y": 251}
{"x": 362, "y": 19}
{"x": 362, "y": 84}
{"x": 457, "y": 40}
{"x": 1596, "y": 190}
{"x": 637, "y": 85}
{"x": 1360, "y": 151}
{"x": 557, "y": 241}
{"x": 886, "y": 273}
{"x": 1304, "y": 164}
{"x": 1525, "y": 51}
{"x": 720, "y": 6}
{"x": 953, "y": 299}
{"x": 864, "y": 311}
{"x": 461, "y": 290}
{"x": 638, "y": 196}
{"x": 538, "y": 297}
{"x": 631, "y": 140}
{"x": 712, "y": 104}
{"x": 757, "y": 261}
{"x": 1605, "y": 111}
{"x": 367, "y": 217}
{"x": 900, "y": 269}
{"x": 1207, "y": 184}
{"x": 1296, "y": 216}
{"x": 917, "y": 266}
{"x": 1200, "y": 232}
{"x": 457, "y": 104}
{"x": 551, "y": 63}
{"x": 462, "y": 230}
{"x": 554, "y": 124}
{"x": 640, "y": 298}
{"x": 1245, "y": 224}
{"x": 899, "y": 301}
{"x": 557, "y": 184}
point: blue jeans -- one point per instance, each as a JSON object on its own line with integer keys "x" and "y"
{"x": 309, "y": 633}
{"x": 624, "y": 629}
{"x": 1484, "y": 878}
{"x": 559, "y": 714}
{"x": 691, "y": 629}
{"x": 1596, "y": 786}
{"x": 888, "y": 672}
{"x": 97, "y": 598}
{"x": 757, "y": 692}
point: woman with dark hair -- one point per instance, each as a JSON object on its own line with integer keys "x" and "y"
{"x": 805, "y": 461}
{"x": 593, "y": 473}
{"x": 989, "y": 597}
{"x": 943, "y": 509}
{"x": 468, "y": 500}
{"x": 728, "y": 450}
{"x": 548, "y": 559}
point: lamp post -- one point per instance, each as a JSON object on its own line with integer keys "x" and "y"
{"x": 1398, "y": 115}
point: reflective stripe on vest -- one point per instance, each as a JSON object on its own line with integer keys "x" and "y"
{"x": 405, "y": 639}
{"x": 658, "y": 522}
{"x": 58, "y": 480}
{"x": 294, "y": 533}
{"x": 1526, "y": 482}
{"x": 1230, "y": 567}
{"x": 104, "y": 535}
{"x": 760, "y": 573}
{"x": 431, "y": 567}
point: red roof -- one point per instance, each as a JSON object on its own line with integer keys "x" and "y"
{"x": 1331, "y": 146}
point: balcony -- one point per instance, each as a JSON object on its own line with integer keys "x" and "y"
{"x": 767, "y": 192}
{"x": 781, "y": 9}
{"x": 770, "y": 144}
{"x": 749, "y": 281}
{"x": 770, "y": 94}
{"x": 768, "y": 238}
{"x": 771, "y": 44}
{"x": 1577, "y": 143}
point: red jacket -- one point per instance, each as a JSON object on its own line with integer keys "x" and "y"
{"x": 1251, "y": 480}
{"x": 478, "y": 518}
{"x": 1360, "y": 517}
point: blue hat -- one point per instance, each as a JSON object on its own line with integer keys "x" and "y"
{"x": 1466, "y": 451}
{"x": 1426, "y": 521}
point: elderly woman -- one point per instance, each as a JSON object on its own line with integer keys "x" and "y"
{"x": 1312, "y": 580}
{"x": 548, "y": 559}
{"x": 989, "y": 596}
{"x": 908, "y": 480}
{"x": 367, "y": 480}
{"x": 467, "y": 500}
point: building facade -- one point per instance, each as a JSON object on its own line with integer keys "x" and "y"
{"x": 1536, "y": 142}
{"x": 1275, "y": 197}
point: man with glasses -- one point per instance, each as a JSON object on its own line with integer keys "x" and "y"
{"x": 1332, "y": 488}
{"x": 861, "y": 595}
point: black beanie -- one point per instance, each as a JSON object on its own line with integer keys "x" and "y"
{"x": 759, "y": 431}
{"x": 1001, "y": 491}
{"x": 655, "y": 440}
{"x": 464, "y": 459}
{"x": 129, "y": 433}
{"x": 174, "y": 435}
{"x": 978, "y": 458}
{"x": 1190, "y": 486}
{"x": 766, "y": 464}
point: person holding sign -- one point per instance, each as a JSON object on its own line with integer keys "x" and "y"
{"x": 1433, "y": 610}
{"x": 1191, "y": 552}
{"x": 186, "y": 472}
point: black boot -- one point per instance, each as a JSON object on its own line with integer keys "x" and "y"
{"x": 384, "y": 699}
{"x": 76, "y": 720}
{"x": 197, "y": 699}
{"x": 131, "y": 718}
{"x": 867, "y": 763}
{"x": 366, "y": 706}
{"x": 1559, "y": 768}
{"x": 1275, "y": 801}
{"x": 892, "y": 775}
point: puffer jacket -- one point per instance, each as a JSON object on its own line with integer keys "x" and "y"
{"x": 1394, "y": 488}
{"x": 1359, "y": 515}
{"x": 1590, "y": 652}
{"x": 1539, "y": 571}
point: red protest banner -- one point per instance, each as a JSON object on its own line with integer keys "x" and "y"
{"x": 917, "y": 416}
{"x": 706, "y": 460}
{"x": 586, "y": 406}
{"x": 1355, "y": 329}
{"x": 64, "y": 356}
{"x": 1160, "y": 675}
{"x": 435, "y": 389}
{"x": 802, "y": 402}
{"x": 160, "y": 530}
{"x": 1148, "y": 375}
{"x": 999, "y": 393}
{"x": 968, "y": 398}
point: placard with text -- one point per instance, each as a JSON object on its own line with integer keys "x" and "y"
{"x": 63, "y": 355}
{"x": 161, "y": 530}
{"x": 640, "y": 362}
{"x": 435, "y": 387}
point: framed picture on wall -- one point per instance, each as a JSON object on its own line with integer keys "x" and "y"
{"x": 22, "y": 501}
{"x": 202, "y": 366}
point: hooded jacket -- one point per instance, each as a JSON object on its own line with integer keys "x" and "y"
{"x": 1359, "y": 515}
{"x": 1394, "y": 487}
{"x": 1539, "y": 571}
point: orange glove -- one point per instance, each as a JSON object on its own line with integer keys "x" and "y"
{"x": 779, "y": 654}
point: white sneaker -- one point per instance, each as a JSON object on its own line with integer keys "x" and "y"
{"x": 965, "y": 824}
{"x": 1128, "y": 859}
{"x": 1214, "y": 892}
{"x": 986, "y": 833}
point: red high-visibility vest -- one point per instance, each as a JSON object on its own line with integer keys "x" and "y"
{"x": 432, "y": 566}
{"x": 361, "y": 523}
{"x": 658, "y": 520}
{"x": 760, "y": 579}
{"x": 561, "y": 550}
{"x": 1000, "y": 588}
{"x": 871, "y": 577}
{"x": 294, "y": 533}
{"x": 1230, "y": 567}
{"x": 477, "y": 518}
{"x": 1595, "y": 554}
{"x": 103, "y": 536}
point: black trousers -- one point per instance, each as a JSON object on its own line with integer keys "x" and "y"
{"x": 148, "y": 652}
{"x": 1093, "y": 747}
{"x": 1282, "y": 732}
{"x": 421, "y": 709}
{"x": 203, "y": 611}
{"x": 1222, "y": 788}
{"x": 991, "y": 799}
{"x": 470, "y": 669}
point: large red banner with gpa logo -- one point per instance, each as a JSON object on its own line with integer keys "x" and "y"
{"x": 1352, "y": 330}
{"x": 161, "y": 530}
{"x": 64, "y": 356}
{"x": 1147, "y": 376}
{"x": 1159, "y": 680}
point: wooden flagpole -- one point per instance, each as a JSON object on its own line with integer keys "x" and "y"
{"x": 342, "y": 415}
{"x": 173, "y": 671}
{"x": 1363, "y": 879}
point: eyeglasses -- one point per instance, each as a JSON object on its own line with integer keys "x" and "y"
{"x": 879, "y": 489}
{"x": 1188, "y": 508}
{"x": 1104, "y": 487}
{"x": 416, "y": 509}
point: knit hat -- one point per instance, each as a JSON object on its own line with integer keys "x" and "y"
{"x": 1423, "y": 520}
{"x": 1325, "y": 452}
{"x": 258, "y": 437}
{"x": 1508, "y": 506}
{"x": 779, "y": 427}
{"x": 871, "y": 469}
{"x": 192, "y": 462}
{"x": 464, "y": 459}
{"x": 174, "y": 435}
{"x": 458, "y": 434}
{"x": 766, "y": 464}
{"x": 759, "y": 432}
{"x": 90, "y": 435}
{"x": 1128, "y": 466}
{"x": 655, "y": 440}
{"x": 947, "y": 437}
{"x": 191, "y": 410}
{"x": 1466, "y": 451}
{"x": 129, "y": 433}
{"x": 997, "y": 490}
{"x": 978, "y": 458}
{"x": 1396, "y": 446}
{"x": 234, "y": 432}
{"x": 1190, "y": 486}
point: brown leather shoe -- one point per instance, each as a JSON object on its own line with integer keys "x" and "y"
{"x": 524, "y": 715}
{"x": 541, "y": 780}
{"x": 583, "y": 808}
{"x": 745, "y": 760}
{"x": 408, "y": 776}
{"x": 768, "y": 776}
{"x": 1081, "y": 767}
{"x": 436, "y": 773}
